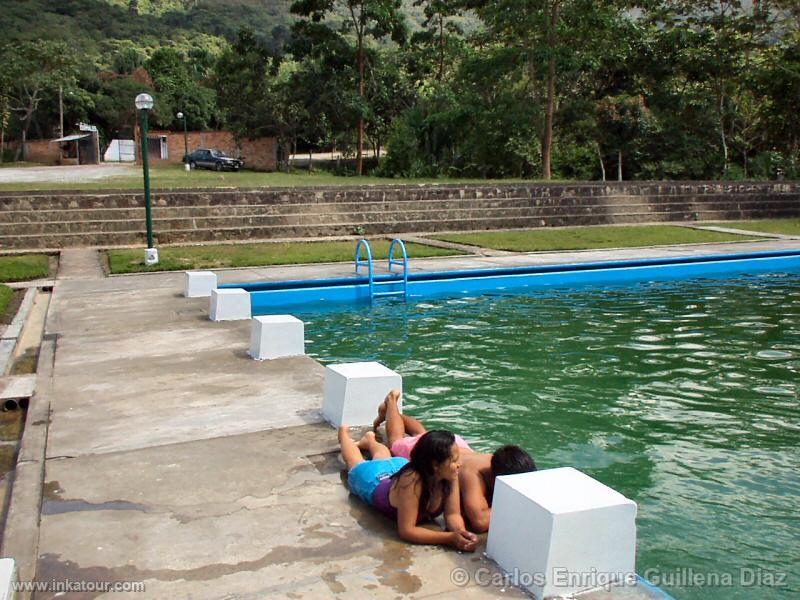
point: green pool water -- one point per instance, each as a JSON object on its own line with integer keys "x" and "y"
{"x": 682, "y": 395}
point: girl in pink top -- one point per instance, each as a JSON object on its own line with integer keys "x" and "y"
{"x": 414, "y": 490}
{"x": 403, "y": 431}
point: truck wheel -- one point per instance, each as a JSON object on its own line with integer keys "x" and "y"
{"x": 218, "y": 166}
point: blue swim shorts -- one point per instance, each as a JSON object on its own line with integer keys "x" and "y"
{"x": 366, "y": 476}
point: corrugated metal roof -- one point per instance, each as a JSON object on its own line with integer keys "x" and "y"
{"x": 72, "y": 138}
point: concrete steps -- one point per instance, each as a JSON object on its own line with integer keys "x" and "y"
{"x": 655, "y": 204}
{"x": 29, "y": 221}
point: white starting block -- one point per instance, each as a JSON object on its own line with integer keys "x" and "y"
{"x": 199, "y": 284}
{"x": 276, "y": 336}
{"x": 560, "y": 531}
{"x": 229, "y": 304}
{"x": 353, "y": 392}
{"x": 8, "y": 577}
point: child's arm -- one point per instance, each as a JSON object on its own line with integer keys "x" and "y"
{"x": 468, "y": 541}
{"x": 476, "y": 508}
{"x": 408, "y": 493}
{"x": 452, "y": 508}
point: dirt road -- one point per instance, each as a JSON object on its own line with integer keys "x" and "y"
{"x": 66, "y": 174}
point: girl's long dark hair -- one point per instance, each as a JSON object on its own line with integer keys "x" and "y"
{"x": 432, "y": 449}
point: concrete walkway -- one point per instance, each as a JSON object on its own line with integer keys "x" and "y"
{"x": 738, "y": 231}
{"x": 173, "y": 459}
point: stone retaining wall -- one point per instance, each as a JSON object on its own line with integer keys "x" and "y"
{"x": 53, "y": 220}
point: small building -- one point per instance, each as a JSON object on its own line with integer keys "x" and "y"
{"x": 120, "y": 151}
{"x": 260, "y": 154}
{"x": 79, "y": 148}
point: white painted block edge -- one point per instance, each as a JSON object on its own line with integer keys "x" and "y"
{"x": 219, "y": 309}
{"x": 198, "y": 284}
{"x": 261, "y": 351}
{"x": 8, "y": 577}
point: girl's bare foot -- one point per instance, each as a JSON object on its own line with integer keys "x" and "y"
{"x": 393, "y": 395}
{"x": 381, "y": 416}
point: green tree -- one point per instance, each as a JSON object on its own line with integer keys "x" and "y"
{"x": 547, "y": 37}
{"x": 622, "y": 119}
{"x": 241, "y": 79}
{"x": 779, "y": 82}
{"x": 441, "y": 37}
{"x": 114, "y": 111}
{"x": 255, "y": 94}
{"x": 35, "y": 69}
{"x": 364, "y": 19}
{"x": 389, "y": 92}
{"x": 5, "y": 110}
{"x": 177, "y": 90}
{"x": 709, "y": 45}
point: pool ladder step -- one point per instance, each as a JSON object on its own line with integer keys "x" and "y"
{"x": 392, "y": 261}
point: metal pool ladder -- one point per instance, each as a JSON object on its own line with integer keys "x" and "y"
{"x": 391, "y": 281}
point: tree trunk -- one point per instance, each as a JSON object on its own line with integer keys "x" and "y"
{"x": 722, "y": 133}
{"x": 360, "y": 151}
{"x": 21, "y": 150}
{"x": 744, "y": 152}
{"x": 602, "y": 164}
{"x": 310, "y": 159}
{"x": 552, "y": 40}
{"x": 619, "y": 166}
{"x": 441, "y": 47}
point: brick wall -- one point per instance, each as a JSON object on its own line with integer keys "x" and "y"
{"x": 259, "y": 154}
{"x": 42, "y": 151}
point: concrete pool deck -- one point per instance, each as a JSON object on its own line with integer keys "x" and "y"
{"x": 171, "y": 458}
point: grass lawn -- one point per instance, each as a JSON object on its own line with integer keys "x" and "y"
{"x": 5, "y": 297}
{"x": 785, "y": 226}
{"x": 585, "y": 238}
{"x": 20, "y": 165}
{"x": 181, "y": 258}
{"x": 23, "y": 268}
{"x": 174, "y": 176}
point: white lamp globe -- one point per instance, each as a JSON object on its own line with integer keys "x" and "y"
{"x": 144, "y": 102}
{"x": 179, "y": 115}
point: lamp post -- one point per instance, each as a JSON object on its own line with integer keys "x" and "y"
{"x": 144, "y": 104}
{"x": 182, "y": 116}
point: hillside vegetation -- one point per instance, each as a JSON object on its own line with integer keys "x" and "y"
{"x": 569, "y": 89}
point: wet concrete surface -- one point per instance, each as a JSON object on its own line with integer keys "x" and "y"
{"x": 25, "y": 364}
{"x": 11, "y": 425}
{"x": 175, "y": 460}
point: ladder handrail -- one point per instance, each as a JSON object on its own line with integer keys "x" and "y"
{"x": 363, "y": 242}
{"x": 398, "y": 241}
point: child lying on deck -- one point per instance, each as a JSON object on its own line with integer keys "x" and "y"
{"x": 478, "y": 471}
{"x": 412, "y": 490}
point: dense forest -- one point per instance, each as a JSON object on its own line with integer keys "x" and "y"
{"x": 572, "y": 89}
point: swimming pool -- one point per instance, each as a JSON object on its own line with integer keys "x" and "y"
{"x": 682, "y": 395}
{"x": 276, "y": 296}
